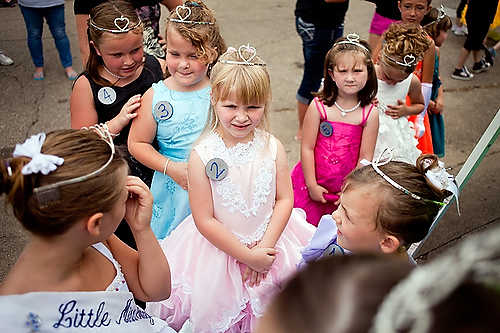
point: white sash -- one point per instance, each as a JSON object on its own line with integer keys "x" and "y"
{"x": 100, "y": 311}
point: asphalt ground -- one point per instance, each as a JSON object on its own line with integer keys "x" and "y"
{"x": 28, "y": 107}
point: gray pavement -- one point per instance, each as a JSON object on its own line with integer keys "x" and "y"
{"x": 28, "y": 107}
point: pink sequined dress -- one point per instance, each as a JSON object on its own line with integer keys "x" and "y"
{"x": 334, "y": 157}
{"x": 207, "y": 286}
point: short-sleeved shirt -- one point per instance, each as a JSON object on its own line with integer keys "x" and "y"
{"x": 320, "y": 13}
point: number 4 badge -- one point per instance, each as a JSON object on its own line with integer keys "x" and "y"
{"x": 106, "y": 95}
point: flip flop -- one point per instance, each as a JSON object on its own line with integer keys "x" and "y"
{"x": 38, "y": 76}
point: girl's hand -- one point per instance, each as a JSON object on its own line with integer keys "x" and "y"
{"x": 396, "y": 111}
{"x": 436, "y": 107}
{"x": 375, "y": 102}
{"x": 162, "y": 42}
{"x": 139, "y": 204}
{"x": 178, "y": 172}
{"x": 253, "y": 278}
{"x": 262, "y": 258}
{"x": 128, "y": 111}
{"x": 316, "y": 193}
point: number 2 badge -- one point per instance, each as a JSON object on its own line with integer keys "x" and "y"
{"x": 216, "y": 169}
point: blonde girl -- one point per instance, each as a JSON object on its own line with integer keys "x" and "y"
{"x": 243, "y": 238}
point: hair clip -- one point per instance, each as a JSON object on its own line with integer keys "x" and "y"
{"x": 122, "y": 25}
{"x": 385, "y": 157}
{"x": 40, "y": 162}
{"x": 48, "y": 194}
{"x": 246, "y": 60}
{"x": 441, "y": 15}
{"x": 353, "y": 39}
{"x": 184, "y": 18}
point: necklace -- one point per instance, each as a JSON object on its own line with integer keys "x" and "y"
{"x": 113, "y": 74}
{"x": 343, "y": 111}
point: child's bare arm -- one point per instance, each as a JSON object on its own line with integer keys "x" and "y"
{"x": 369, "y": 136}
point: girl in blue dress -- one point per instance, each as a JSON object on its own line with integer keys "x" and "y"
{"x": 174, "y": 111}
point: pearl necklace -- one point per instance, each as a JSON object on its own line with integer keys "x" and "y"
{"x": 113, "y": 74}
{"x": 343, "y": 111}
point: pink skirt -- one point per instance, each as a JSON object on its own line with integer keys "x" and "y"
{"x": 380, "y": 24}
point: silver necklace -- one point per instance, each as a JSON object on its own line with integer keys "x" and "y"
{"x": 113, "y": 74}
{"x": 343, "y": 111}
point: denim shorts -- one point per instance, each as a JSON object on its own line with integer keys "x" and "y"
{"x": 316, "y": 41}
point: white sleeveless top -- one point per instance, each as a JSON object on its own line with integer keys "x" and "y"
{"x": 118, "y": 283}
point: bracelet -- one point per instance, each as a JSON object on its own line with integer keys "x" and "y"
{"x": 107, "y": 128}
{"x": 165, "y": 167}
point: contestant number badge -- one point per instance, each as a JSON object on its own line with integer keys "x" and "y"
{"x": 326, "y": 128}
{"x": 106, "y": 95}
{"x": 216, "y": 169}
{"x": 163, "y": 110}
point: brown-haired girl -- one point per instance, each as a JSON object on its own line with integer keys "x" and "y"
{"x": 70, "y": 190}
{"x": 340, "y": 128}
{"x": 174, "y": 111}
{"x": 404, "y": 45}
{"x": 384, "y": 208}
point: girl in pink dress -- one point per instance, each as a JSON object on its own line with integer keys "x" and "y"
{"x": 243, "y": 239}
{"x": 340, "y": 128}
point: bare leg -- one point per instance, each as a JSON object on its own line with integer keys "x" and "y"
{"x": 301, "y": 112}
{"x": 464, "y": 54}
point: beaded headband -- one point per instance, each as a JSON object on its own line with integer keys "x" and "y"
{"x": 353, "y": 39}
{"x": 439, "y": 182}
{"x": 122, "y": 25}
{"x": 441, "y": 15}
{"x": 184, "y": 18}
{"x": 47, "y": 194}
{"x": 245, "y": 60}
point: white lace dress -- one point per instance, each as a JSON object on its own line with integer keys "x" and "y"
{"x": 207, "y": 286}
{"x": 397, "y": 134}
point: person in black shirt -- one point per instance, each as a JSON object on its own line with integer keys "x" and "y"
{"x": 319, "y": 23}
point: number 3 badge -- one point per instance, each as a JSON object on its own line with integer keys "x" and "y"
{"x": 216, "y": 169}
{"x": 106, "y": 95}
{"x": 164, "y": 110}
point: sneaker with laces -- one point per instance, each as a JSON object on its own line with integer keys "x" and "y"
{"x": 489, "y": 55}
{"x": 481, "y": 66}
{"x": 5, "y": 60}
{"x": 462, "y": 74}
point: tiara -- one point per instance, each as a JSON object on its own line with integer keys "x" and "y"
{"x": 122, "y": 25}
{"x": 184, "y": 18}
{"x": 353, "y": 39}
{"x": 245, "y": 60}
{"x": 409, "y": 60}
{"x": 49, "y": 193}
{"x": 441, "y": 15}
{"x": 438, "y": 177}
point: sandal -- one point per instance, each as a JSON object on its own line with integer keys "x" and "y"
{"x": 72, "y": 75}
{"x": 38, "y": 76}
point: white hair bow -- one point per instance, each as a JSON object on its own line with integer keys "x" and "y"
{"x": 43, "y": 163}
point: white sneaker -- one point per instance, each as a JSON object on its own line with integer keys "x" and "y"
{"x": 4, "y": 60}
{"x": 459, "y": 30}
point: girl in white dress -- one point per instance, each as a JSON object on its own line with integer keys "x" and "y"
{"x": 403, "y": 46}
{"x": 243, "y": 239}
{"x": 70, "y": 190}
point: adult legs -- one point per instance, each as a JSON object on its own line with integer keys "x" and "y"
{"x": 33, "y": 19}
{"x": 316, "y": 42}
{"x": 57, "y": 26}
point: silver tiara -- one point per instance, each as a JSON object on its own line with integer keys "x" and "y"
{"x": 353, "y": 39}
{"x": 47, "y": 194}
{"x": 409, "y": 60}
{"x": 184, "y": 18}
{"x": 245, "y": 60}
{"x": 441, "y": 15}
{"x": 122, "y": 25}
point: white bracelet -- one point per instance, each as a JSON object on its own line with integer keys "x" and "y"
{"x": 165, "y": 167}
{"x": 107, "y": 127}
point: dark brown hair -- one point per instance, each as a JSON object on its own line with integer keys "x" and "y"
{"x": 432, "y": 26}
{"x": 314, "y": 300}
{"x": 104, "y": 16}
{"x": 403, "y": 39}
{"x": 206, "y": 38}
{"x": 330, "y": 90}
{"x": 83, "y": 151}
{"x": 399, "y": 214}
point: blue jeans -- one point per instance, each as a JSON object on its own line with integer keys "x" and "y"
{"x": 33, "y": 18}
{"x": 316, "y": 41}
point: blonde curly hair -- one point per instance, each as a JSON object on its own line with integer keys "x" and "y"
{"x": 401, "y": 40}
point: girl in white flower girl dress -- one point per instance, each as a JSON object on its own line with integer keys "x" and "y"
{"x": 237, "y": 249}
